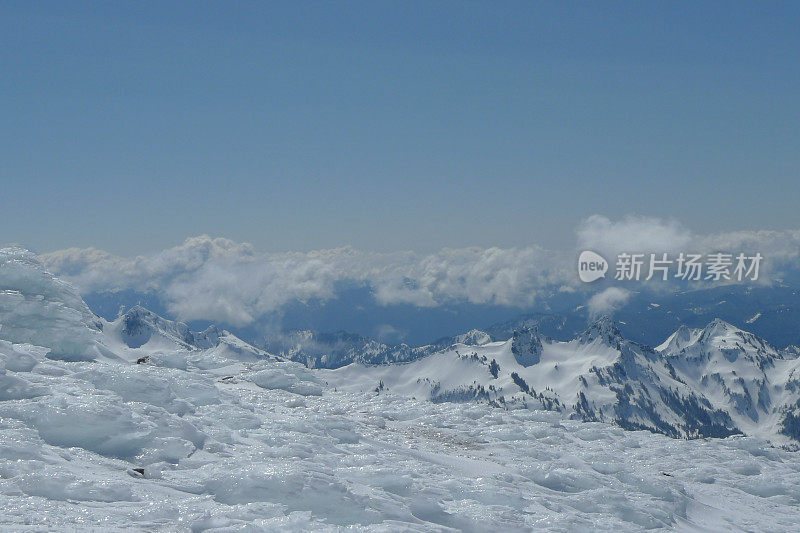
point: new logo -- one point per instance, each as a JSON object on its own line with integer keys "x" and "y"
{"x": 591, "y": 266}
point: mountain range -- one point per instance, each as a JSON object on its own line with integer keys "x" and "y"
{"x": 648, "y": 316}
{"x": 714, "y": 381}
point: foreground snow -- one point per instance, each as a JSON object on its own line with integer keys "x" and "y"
{"x": 271, "y": 447}
{"x": 138, "y": 425}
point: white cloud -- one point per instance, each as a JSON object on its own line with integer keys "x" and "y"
{"x": 632, "y": 234}
{"x": 607, "y": 301}
{"x": 388, "y": 333}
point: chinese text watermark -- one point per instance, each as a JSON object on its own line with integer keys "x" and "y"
{"x": 716, "y": 266}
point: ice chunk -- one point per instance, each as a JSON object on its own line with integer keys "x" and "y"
{"x": 289, "y": 378}
{"x": 38, "y": 308}
{"x": 60, "y": 485}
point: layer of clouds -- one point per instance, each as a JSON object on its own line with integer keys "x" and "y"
{"x": 229, "y": 282}
{"x": 218, "y": 279}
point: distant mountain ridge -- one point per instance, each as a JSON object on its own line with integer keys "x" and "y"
{"x": 714, "y": 382}
{"x": 334, "y": 350}
{"x": 771, "y": 312}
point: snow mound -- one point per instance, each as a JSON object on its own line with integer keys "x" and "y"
{"x": 290, "y": 378}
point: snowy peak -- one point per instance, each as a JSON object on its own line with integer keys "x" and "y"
{"x": 334, "y": 350}
{"x": 738, "y": 372}
{"x": 604, "y": 330}
{"x": 526, "y": 345}
{"x": 138, "y": 326}
{"x": 718, "y": 328}
{"x": 474, "y": 337}
{"x": 684, "y": 336}
{"x": 720, "y": 337}
{"x": 717, "y": 335}
{"x": 140, "y": 329}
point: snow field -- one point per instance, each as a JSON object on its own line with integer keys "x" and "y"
{"x": 273, "y": 447}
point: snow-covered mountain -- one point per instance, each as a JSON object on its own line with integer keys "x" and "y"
{"x": 741, "y": 374}
{"x": 714, "y": 382}
{"x": 138, "y": 327}
{"x": 140, "y": 424}
{"x": 334, "y": 350}
{"x": 139, "y": 330}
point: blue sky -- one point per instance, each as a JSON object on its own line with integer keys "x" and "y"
{"x": 392, "y": 125}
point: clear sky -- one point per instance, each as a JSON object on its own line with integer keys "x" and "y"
{"x": 129, "y": 126}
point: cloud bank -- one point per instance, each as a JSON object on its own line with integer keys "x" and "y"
{"x": 225, "y": 281}
{"x": 218, "y": 279}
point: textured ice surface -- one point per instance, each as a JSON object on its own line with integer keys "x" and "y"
{"x": 256, "y": 449}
